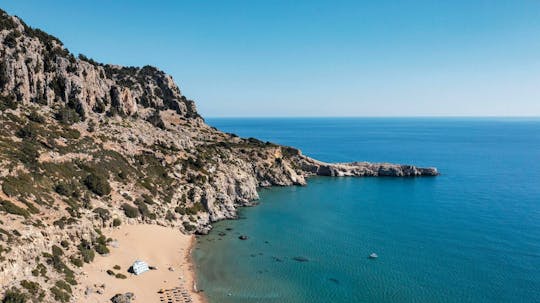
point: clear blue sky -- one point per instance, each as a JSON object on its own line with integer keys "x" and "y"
{"x": 317, "y": 58}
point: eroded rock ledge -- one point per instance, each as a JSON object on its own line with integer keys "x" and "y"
{"x": 366, "y": 169}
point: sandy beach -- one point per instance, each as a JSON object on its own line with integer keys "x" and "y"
{"x": 165, "y": 248}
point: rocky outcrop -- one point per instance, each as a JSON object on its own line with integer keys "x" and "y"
{"x": 365, "y": 169}
{"x": 123, "y": 298}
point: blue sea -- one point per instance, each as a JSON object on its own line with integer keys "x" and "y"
{"x": 470, "y": 235}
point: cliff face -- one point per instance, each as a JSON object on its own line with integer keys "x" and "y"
{"x": 85, "y": 145}
{"x": 36, "y": 68}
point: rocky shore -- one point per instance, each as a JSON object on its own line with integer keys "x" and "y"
{"x": 86, "y": 146}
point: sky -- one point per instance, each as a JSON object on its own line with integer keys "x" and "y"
{"x": 316, "y": 58}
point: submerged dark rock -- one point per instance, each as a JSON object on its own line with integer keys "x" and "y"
{"x": 243, "y": 237}
{"x": 333, "y": 280}
{"x": 300, "y": 259}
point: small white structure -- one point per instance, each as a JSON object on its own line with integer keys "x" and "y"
{"x": 139, "y": 267}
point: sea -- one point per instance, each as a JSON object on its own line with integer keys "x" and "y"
{"x": 471, "y": 234}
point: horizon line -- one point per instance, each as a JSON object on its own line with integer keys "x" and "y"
{"x": 371, "y": 117}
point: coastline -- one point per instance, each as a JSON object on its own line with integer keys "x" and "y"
{"x": 165, "y": 248}
{"x": 189, "y": 267}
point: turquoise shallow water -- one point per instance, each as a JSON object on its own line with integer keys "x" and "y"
{"x": 469, "y": 235}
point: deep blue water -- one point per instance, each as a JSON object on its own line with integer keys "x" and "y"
{"x": 469, "y": 235}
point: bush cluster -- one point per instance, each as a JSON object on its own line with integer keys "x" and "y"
{"x": 67, "y": 115}
{"x": 130, "y": 211}
{"x": 67, "y": 189}
{"x": 8, "y": 102}
{"x": 32, "y": 287}
{"x": 86, "y": 251}
{"x": 13, "y": 295}
{"x": 11, "y": 208}
{"x": 34, "y": 116}
{"x": 103, "y": 214}
{"x": 98, "y": 184}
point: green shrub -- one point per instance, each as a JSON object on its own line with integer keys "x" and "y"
{"x": 34, "y": 116}
{"x": 63, "y": 285}
{"x": 130, "y": 211}
{"x": 116, "y": 222}
{"x": 117, "y": 267}
{"x": 120, "y": 276}
{"x": 147, "y": 199}
{"x": 29, "y": 132}
{"x": 32, "y": 287}
{"x": 60, "y": 222}
{"x": 60, "y": 295}
{"x": 91, "y": 126}
{"x": 11, "y": 185}
{"x": 62, "y": 189}
{"x": 98, "y": 184}
{"x": 13, "y": 295}
{"x": 143, "y": 209}
{"x": 40, "y": 270}
{"x": 8, "y": 102}
{"x": 31, "y": 208}
{"x": 87, "y": 252}
{"x": 169, "y": 216}
{"x": 71, "y": 279}
{"x": 180, "y": 210}
{"x": 70, "y": 133}
{"x": 13, "y": 209}
{"x": 11, "y": 38}
{"x": 76, "y": 261}
{"x": 57, "y": 251}
{"x": 28, "y": 153}
{"x": 122, "y": 175}
{"x": 110, "y": 272}
{"x": 102, "y": 249}
{"x": 66, "y": 189}
{"x": 188, "y": 226}
{"x": 67, "y": 116}
{"x": 103, "y": 214}
{"x": 64, "y": 243}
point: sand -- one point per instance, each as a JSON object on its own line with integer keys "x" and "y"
{"x": 159, "y": 246}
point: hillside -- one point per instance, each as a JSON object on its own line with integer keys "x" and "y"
{"x": 85, "y": 145}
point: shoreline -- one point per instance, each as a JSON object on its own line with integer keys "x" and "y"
{"x": 192, "y": 272}
{"x": 166, "y": 248}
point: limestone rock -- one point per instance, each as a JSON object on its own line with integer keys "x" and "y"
{"x": 123, "y": 298}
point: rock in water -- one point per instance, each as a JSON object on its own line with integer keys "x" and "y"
{"x": 243, "y": 237}
{"x": 301, "y": 259}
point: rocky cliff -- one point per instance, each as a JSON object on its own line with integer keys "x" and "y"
{"x": 84, "y": 145}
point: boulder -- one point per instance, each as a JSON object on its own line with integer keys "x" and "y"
{"x": 123, "y": 298}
